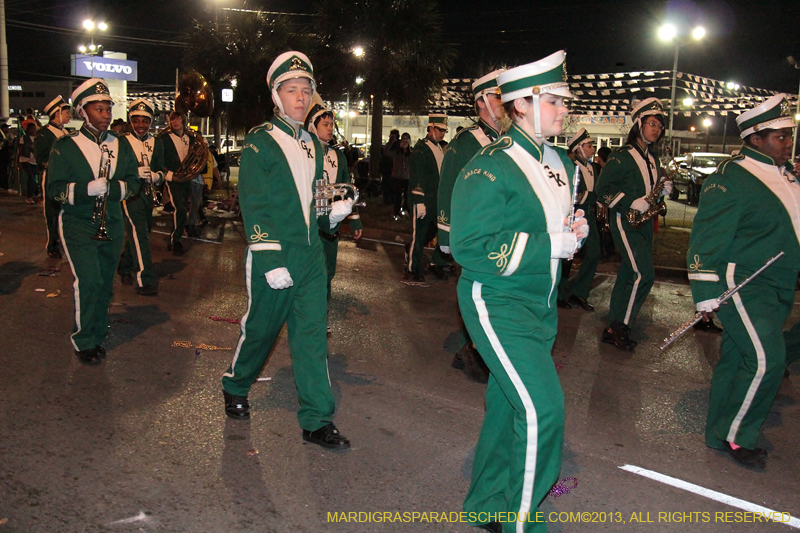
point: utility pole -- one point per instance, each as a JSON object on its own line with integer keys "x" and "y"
{"x": 3, "y": 62}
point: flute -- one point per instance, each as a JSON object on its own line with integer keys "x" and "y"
{"x": 576, "y": 178}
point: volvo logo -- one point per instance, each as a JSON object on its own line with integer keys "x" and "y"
{"x": 105, "y": 67}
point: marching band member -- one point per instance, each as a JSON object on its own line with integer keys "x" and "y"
{"x": 627, "y": 178}
{"x": 582, "y": 147}
{"x": 284, "y": 265}
{"x": 136, "y": 264}
{"x": 176, "y": 148}
{"x": 75, "y": 179}
{"x": 423, "y": 186}
{"x": 334, "y": 170}
{"x": 749, "y": 211}
{"x": 509, "y": 231}
{"x": 458, "y": 152}
{"x": 59, "y": 112}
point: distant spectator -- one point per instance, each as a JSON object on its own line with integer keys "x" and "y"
{"x": 385, "y": 166}
{"x": 400, "y": 153}
{"x": 27, "y": 162}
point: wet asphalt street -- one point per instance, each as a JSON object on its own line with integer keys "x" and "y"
{"x": 141, "y": 443}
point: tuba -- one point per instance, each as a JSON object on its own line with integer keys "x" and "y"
{"x": 194, "y": 96}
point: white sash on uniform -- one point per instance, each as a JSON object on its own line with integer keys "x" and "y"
{"x": 299, "y": 155}
{"x": 643, "y": 168}
{"x": 788, "y": 192}
{"x": 437, "y": 153}
{"x": 91, "y": 151}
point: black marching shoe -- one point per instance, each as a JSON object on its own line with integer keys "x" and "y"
{"x": 709, "y": 326}
{"x": 55, "y": 254}
{"x": 494, "y": 527}
{"x": 236, "y": 406}
{"x": 89, "y": 357}
{"x": 147, "y": 290}
{"x": 410, "y": 276}
{"x": 617, "y": 334}
{"x": 582, "y": 303}
{"x": 563, "y": 304}
{"x": 101, "y": 352}
{"x": 438, "y": 272}
{"x": 126, "y": 278}
{"x": 328, "y": 437}
{"x": 470, "y": 361}
{"x": 177, "y": 249}
{"x": 752, "y": 459}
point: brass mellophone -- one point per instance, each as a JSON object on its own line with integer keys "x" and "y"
{"x": 101, "y": 202}
{"x": 326, "y": 193}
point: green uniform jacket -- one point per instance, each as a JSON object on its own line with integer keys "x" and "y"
{"x": 499, "y": 232}
{"x": 423, "y": 169}
{"x": 336, "y": 161}
{"x": 277, "y": 199}
{"x": 172, "y": 161}
{"x": 625, "y": 178}
{"x": 44, "y": 143}
{"x": 457, "y": 154}
{"x": 741, "y": 219}
{"x": 70, "y": 172}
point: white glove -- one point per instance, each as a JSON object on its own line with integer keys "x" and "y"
{"x": 97, "y": 187}
{"x": 339, "y": 211}
{"x": 421, "y": 210}
{"x": 445, "y": 249}
{"x": 667, "y": 188}
{"x": 144, "y": 173}
{"x": 563, "y": 245}
{"x": 640, "y": 204}
{"x": 279, "y": 278}
{"x": 709, "y": 306}
{"x": 580, "y": 228}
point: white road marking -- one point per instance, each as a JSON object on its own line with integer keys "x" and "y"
{"x": 713, "y": 495}
{"x": 141, "y": 517}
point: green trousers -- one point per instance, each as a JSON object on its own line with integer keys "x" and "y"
{"x": 590, "y": 257}
{"x": 51, "y": 211}
{"x": 330, "y": 249}
{"x": 179, "y": 194}
{"x": 136, "y": 257}
{"x": 424, "y": 229}
{"x": 518, "y": 456}
{"x": 755, "y": 353}
{"x": 302, "y": 307}
{"x": 636, "y": 273}
{"x": 94, "y": 265}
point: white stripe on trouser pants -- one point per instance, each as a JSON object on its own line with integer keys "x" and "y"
{"x": 75, "y": 286}
{"x": 531, "y": 446}
{"x": 760, "y": 356}
{"x": 248, "y": 272}
{"x": 135, "y": 237}
{"x": 635, "y": 269}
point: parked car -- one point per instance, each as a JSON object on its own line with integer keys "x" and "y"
{"x": 691, "y": 173}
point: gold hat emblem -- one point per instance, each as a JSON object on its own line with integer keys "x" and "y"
{"x": 785, "y": 111}
{"x": 297, "y": 64}
{"x": 100, "y": 89}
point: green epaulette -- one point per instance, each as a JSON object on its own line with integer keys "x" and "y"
{"x": 500, "y": 144}
{"x": 724, "y": 163}
{"x": 267, "y": 126}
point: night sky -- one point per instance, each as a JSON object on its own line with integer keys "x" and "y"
{"x": 747, "y": 41}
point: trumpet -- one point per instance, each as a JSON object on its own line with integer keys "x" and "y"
{"x": 101, "y": 202}
{"x": 326, "y": 193}
{"x": 149, "y": 189}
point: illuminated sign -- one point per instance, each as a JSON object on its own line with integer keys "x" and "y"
{"x": 15, "y": 87}
{"x": 104, "y": 67}
{"x": 227, "y": 95}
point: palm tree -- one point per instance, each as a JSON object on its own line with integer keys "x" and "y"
{"x": 403, "y": 60}
{"x": 241, "y": 48}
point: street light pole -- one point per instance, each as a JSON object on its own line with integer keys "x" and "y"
{"x": 672, "y": 94}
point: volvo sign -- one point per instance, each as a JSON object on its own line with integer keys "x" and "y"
{"x": 104, "y": 67}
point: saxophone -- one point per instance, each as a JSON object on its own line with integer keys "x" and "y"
{"x": 657, "y": 205}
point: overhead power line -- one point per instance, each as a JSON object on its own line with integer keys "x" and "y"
{"x": 78, "y": 33}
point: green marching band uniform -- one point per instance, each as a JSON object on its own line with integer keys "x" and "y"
{"x": 424, "y": 166}
{"x": 508, "y": 210}
{"x": 464, "y": 146}
{"x": 334, "y": 164}
{"x": 75, "y": 163}
{"x": 587, "y": 201}
{"x": 175, "y": 151}
{"x": 749, "y": 211}
{"x": 136, "y": 260}
{"x": 41, "y": 149}
{"x": 280, "y": 162}
{"x": 630, "y": 174}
